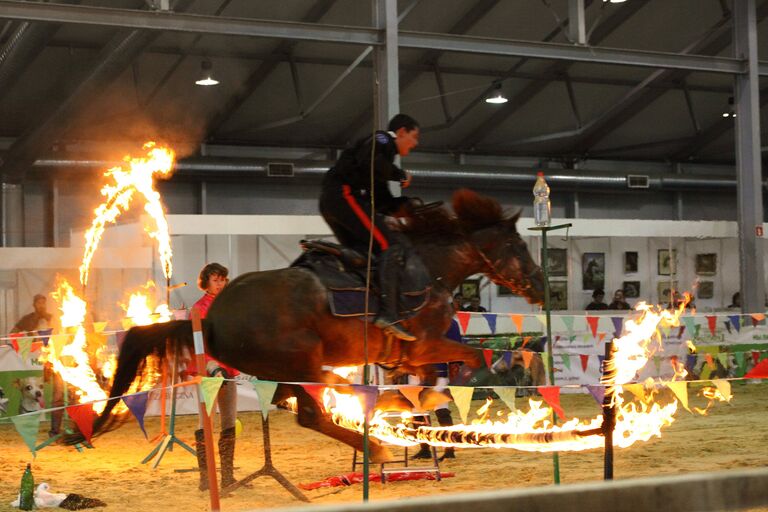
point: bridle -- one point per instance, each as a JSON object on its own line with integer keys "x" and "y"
{"x": 493, "y": 273}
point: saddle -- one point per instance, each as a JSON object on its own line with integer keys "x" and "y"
{"x": 343, "y": 273}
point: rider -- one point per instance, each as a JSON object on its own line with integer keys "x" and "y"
{"x": 345, "y": 203}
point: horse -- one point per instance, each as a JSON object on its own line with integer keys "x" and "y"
{"x": 277, "y": 324}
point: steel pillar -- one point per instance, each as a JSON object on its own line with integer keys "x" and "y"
{"x": 386, "y": 62}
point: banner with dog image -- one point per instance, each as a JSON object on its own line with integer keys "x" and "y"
{"x": 21, "y": 383}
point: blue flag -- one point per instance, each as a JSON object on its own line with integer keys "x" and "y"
{"x": 618, "y": 325}
{"x": 137, "y": 404}
{"x": 491, "y": 319}
{"x": 735, "y": 322}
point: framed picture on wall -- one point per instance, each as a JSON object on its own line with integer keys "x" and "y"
{"x": 706, "y": 264}
{"x": 557, "y": 260}
{"x": 630, "y": 262}
{"x": 470, "y": 288}
{"x": 667, "y": 262}
{"x": 706, "y": 290}
{"x": 631, "y": 289}
{"x": 503, "y": 291}
{"x": 665, "y": 289}
{"x": 592, "y": 270}
{"x": 558, "y": 295}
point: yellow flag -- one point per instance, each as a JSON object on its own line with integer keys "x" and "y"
{"x": 636, "y": 389}
{"x": 507, "y": 395}
{"x": 680, "y": 390}
{"x": 209, "y": 386}
{"x": 462, "y": 396}
{"x": 99, "y": 326}
{"x": 724, "y": 387}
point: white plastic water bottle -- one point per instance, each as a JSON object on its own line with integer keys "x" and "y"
{"x": 542, "y": 208}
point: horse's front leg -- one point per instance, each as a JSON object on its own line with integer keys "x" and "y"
{"x": 439, "y": 349}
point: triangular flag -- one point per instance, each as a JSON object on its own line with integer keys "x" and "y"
{"x": 757, "y": 318}
{"x": 690, "y": 325}
{"x": 15, "y": 340}
{"x": 265, "y": 390}
{"x": 542, "y": 320}
{"x": 210, "y": 388}
{"x": 680, "y": 390}
{"x": 586, "y": 337}
{"x": 566, "y": 359}
{"x": 462, "y": 396}
{"x": 507, "y": 395}
{"x": 24, "y": 345}
{"x": 636, "y": 389}
{"x": 551, "y": 395}
{"x": 735, "y": 322}
{"x": 507, "y": 358}
{"x": 758, "y": 372}
{"x": 368, "y": 395}
{"x": 592, "y": 321}
{"x": 723, "y": 358}
{"x": 526, "y": 340}
{"x": 99, "y": 326}
{"x": 690, "y": 362}
{"x": 527, "y": 358}
{"x": 710, "y": 361}
{"x": 83, "y": 416}
{"x": 618, "y": 325}
{"x": 488, "y": 356}
{"x": 755, "y": 356}
{"x": 518, "y": 321}
{"x": 712, "y": 322}
{"x": 44, "y": 334}
{"x": 597, "y": 392}
{"x": 727, "y": 324}
{"x": 568, "y": 323}
{"x": 463, "y": 318}
{"x": 137, "y": 404}
{"x": 491, "y": 319}
{"x": 313, "y": 390}
{"x": 545, "y": 361}
{"x": 741, "y": 360}
{"x": 27, "y": 425}
{"x": 601, "y": 336}
{"x": 412, "y": 394}
{"x": 724, "y": 387}
{"x": 584, "y": 361}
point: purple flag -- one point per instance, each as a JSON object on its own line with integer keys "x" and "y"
{"x": 491, "y": 319}
{"x": 508, "y": 358}
{"x": 735, "y": 322}
{"x": 137, "y": 404}
{"x": 618, "y": 325}
{"x": 597, "y": 392}
{"x": 44, "y": 335}
{"x": 368, "y": 395}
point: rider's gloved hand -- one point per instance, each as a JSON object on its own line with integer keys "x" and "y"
{"x": 214, "y": 369}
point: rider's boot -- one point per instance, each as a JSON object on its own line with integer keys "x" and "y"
{"x": 227, "y": 456}
{"x": 388, "y": 319}
{"x": 444, "y": 420}
{"x": 425, "y": 452}
{"x": 201, "y": 459}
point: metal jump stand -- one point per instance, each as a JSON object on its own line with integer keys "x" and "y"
{"x": 268, "y": 469}
{"x": 545, "y": 267}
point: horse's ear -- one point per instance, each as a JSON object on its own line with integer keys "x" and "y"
{"x": 511, "y": 221}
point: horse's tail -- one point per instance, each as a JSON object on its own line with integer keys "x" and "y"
{"x": 139, "y": 343}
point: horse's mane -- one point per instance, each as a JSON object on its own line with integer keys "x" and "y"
{"x": 471, "y": 212}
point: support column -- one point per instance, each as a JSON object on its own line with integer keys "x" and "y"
{"x": 386, "y": 62}
{"x": 748, "y": 163}
{"x": 577, "y": 31}
{"x": 11, "y": 215}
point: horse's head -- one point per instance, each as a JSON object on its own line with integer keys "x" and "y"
{"x": 506, "y": 260}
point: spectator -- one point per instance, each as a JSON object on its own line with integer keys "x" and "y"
{"x": 618, "y": 301}
{"x": 474, "y": 305}
{"x": 458, "y": 302}
{"x": 38, "y": 319}
{"x": 735, "y": 301}
{"x": 597, "y": 303}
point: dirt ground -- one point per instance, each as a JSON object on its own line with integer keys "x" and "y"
{"x": 731, "y": 436}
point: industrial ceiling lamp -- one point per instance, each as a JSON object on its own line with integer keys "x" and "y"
{"x": 729, "y": 112}
{"x": 206, "y": 74}
{"x": 615, "y": 1}
{"x": 496, "y": 97}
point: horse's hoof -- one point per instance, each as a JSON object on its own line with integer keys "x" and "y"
{"x": 449, "y": 454}
{"x": 381, "y": 455}
{"x": 423, "y": 454}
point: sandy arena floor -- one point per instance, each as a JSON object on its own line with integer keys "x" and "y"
{"x": 732, "y": 436}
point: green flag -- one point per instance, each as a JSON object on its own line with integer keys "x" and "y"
{"x": 566, "y": 360}
{"x": 265, "y": 389}
{"x": 462, "y": 396}
{"x": 507, "y": 395}
{"x": 24, "y": 345}
{"x": 210, "y": 388}
{"x": 27, "y": 427}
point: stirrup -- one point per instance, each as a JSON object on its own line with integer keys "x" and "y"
{"x": 394, "y": 329}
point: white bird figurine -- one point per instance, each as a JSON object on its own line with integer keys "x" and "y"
{"x": 44, "y": 498}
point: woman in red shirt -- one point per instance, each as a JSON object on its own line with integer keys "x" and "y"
{"x": 213, "y": 278}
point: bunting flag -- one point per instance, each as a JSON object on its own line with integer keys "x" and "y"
{"x": 463, "y": 317}
{"x": 757, "y": 319}
{"x": 741, "y": 360}
{"x": 724, "y": 387}
{"x": 690, "y": 362}
{"x": 488, "y": 356}
{"x": 27, "y": 425}
{"x": 491, "y": 319}
{"x": 542, "y": 320}
{"x": 597, "y": 392}
{"x": 723, "y": 358}
{"x": 527, "y": 358}
{"x": 526, "y": 340}
{"x": 735, "y": 322}
{"x": 313, "y": 390}
{"x": 673, "y": 361}
{"x": 710, "y": 361}
{"x": 584, "y": 362}
{"x": 680, "y": 390}
{"x": 636, "y": 389}
{"x": 566, "y": 359}
{"x": 462, "y": 396}
{"x": 412, "y": 394}
{"x": 210, "y": 388}
{"x": 265, "y": 390}
{"x": 83, "y": 416}
{"x": 368, "y": 395}
{"x": 618, "y": 326}
{"x": 45, "y": 335}
{"x": 57, "y": 343}
{"x": 15, "y": 340}
{"x": 586, "y": 337}
{"x": 601, "y": 336}
{"x": 712, "y": 322}
{"x": 657, "y": 363}
{"x": 137, "y": 404}
{"x": 755, "y": 356}
{"x": 690, "y": 324}
{"x": 545, "y": 361}
{"x": 99, "y": 326}
{"x": 507, "y": 355}
{"x": 571, "y": 338}
{"x": 592, "y": 321}
{"x": 507, "y": 395}
{"x": 518, "y": 321}
{"x": 759, "y": 371}
{"x": 727, "y": 324}
{"x": 567, "y": 323}
{"x": 551, "y": 395}
{"x": 24, "y": 345}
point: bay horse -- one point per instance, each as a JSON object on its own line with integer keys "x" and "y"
{"x": 277, "y": 324}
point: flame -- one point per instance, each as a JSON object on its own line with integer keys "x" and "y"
{"x": 139, "y": 312}
{"x": 135, "y": 175}
{"x": 534, "y": 430}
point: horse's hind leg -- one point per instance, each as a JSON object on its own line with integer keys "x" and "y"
{"x": 310, "y": 415}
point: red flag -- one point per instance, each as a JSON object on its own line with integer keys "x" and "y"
{"x": 601, "y": 336}
{"x": 315, "y": 391}
{"x": 710, "y": 361}
{"x": 673, "y": 362}
{"x": 551, "y": 395}
{"x": 755, "y": 356}
{"x": 584, "y": 361}
{"x": 759, "y": 371}
{"x": 592, "y": 321}
{"x": 83, "y": 416}
{"x": 525, "y": 341}
{"x": 488, "y": 354}
{"x": 712, "y": 321}
{"x": 463, "y": 317}
{"x": 15, "y": 343}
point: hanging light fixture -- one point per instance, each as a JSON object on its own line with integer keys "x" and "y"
{"x": 497, "y": 96}
{"x": 206, "y": 74}
{"x": 729, "y": 112}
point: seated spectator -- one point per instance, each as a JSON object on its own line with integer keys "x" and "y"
{"x": 597, "y": 303}
{"x": 618, "y": 301}
{"x": 735, "y": 301}
{"x": 458, "y": 302}
{"x": 474, "y": 305}
{"x": 38, "y": 319}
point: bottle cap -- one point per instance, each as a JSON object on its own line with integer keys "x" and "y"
{"x": 540, "y": 173}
